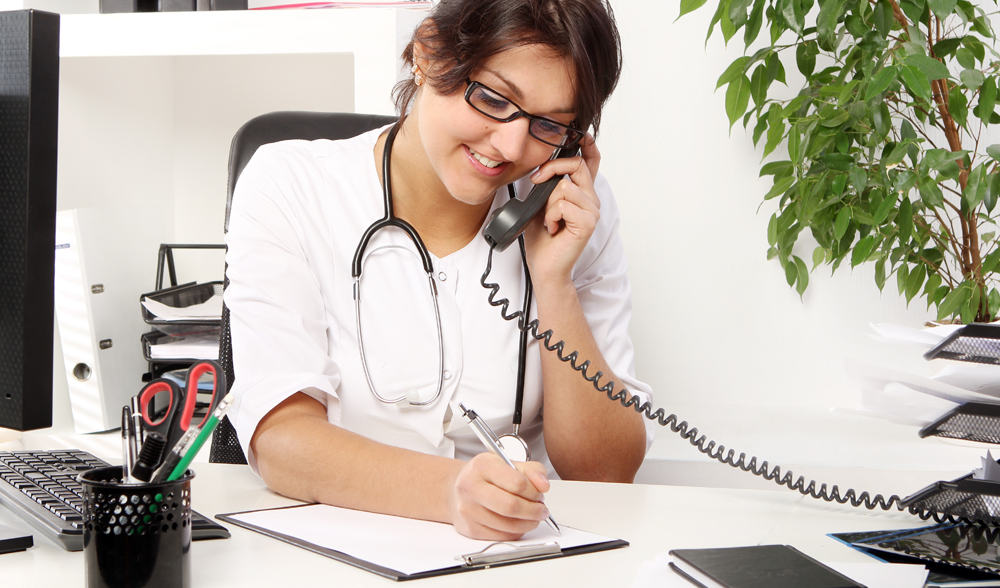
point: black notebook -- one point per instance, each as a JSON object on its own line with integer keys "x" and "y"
{"x": 758, "y": 566}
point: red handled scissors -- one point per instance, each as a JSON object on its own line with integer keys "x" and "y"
{"x": 176, "y": 420}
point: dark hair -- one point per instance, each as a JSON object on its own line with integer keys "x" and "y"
{"x": 459, "y": 35}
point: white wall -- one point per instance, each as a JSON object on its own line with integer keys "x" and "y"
{"x": 715, "y": 322}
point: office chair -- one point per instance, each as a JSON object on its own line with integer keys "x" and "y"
{"x": 271, "y": 128}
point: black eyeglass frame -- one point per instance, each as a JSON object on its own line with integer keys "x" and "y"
{"x": 570, "y": 130}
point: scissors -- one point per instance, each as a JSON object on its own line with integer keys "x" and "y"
{"x": 176, "y": 420}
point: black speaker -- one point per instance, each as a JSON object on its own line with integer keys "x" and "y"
{"x": 29, "y": 113}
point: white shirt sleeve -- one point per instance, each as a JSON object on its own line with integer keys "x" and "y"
{"x": 277, "y": 318}
{"x": 605, "y": 294}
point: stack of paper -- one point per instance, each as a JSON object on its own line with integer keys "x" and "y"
{"x": 911, "y": 399}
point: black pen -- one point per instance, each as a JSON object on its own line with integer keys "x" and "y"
{"x": 480, "y": 429}
{"x": 128, "y": 444}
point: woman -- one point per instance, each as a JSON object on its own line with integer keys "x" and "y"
{"x": 381, "y": 429}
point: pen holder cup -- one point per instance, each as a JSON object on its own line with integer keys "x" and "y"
{"x": 136, "y": 535}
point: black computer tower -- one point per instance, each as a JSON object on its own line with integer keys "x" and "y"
{"x": 29, "y": 112}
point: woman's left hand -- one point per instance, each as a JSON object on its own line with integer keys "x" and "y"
{"x": 555, "y": 239}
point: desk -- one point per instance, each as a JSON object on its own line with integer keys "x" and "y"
{"x": 653, "y": 519}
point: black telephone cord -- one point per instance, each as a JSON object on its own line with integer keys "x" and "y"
{"x": 702, "y": 443}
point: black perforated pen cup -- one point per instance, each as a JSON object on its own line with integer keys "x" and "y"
{"x": 136, "y": 535}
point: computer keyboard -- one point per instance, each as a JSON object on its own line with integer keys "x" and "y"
{"x": 41, "y": 487}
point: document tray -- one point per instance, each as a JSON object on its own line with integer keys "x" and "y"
{"x": 963, "y": 498}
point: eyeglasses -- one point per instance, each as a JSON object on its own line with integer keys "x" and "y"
{"x": 494, "y": 105}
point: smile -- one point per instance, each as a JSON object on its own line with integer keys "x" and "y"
{"x": 484, "y": 160}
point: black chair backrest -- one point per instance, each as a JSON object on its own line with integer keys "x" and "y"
{"x": 271, "y": 128}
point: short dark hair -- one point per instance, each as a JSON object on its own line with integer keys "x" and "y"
{"x": 459, "y": 35}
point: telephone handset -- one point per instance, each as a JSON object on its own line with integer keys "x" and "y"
{"x": 508, "y": 221}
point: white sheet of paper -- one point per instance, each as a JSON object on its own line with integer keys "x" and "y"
{"x": 405, "y": 545}
{"x": 210, "y": 309}
{"x": 927, "y": 338}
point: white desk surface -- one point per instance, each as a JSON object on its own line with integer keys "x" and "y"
{"x": 654, "y": 519}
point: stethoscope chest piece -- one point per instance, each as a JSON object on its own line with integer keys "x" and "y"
{"x": 514, "y": 447}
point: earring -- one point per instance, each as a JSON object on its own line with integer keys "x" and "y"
{"x": 418, "y": 78}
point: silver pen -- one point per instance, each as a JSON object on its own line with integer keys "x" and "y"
{"x": 480, "y": 428}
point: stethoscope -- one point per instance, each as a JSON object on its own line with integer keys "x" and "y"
{"x": 512, "y": 444}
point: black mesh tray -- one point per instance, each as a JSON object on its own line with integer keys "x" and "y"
{"x": 156, "y": 337}
{"x": 972, "y": 421}
{"x": 978, "y": 343}
{"x": 182, "y": 296}
{"x": 963, "y": 498}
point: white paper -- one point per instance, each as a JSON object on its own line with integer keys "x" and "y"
{"x": 928, "y": 338}
{"x": 199, "y": 346}
{"x": 978, "y": 377}
{"x": 875, "y": 377}
{"x": 990, "y": 470}
{"x": 209, "y": 309}
{"x": 405, "y": 545}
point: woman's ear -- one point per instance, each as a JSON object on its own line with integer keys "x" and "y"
{"x": 420, "y": 57}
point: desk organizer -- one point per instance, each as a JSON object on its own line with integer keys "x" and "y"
{"x": 136, "y": 534}
{"x": 976, "y": 501}
{"x": 972, "y": 421}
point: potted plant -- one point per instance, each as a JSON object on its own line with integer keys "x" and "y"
{"x": 883, "y": 153}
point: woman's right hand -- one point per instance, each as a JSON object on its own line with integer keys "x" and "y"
{"x": 489, "y": 500}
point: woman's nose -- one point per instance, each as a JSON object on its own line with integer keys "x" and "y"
{"x": 510, "y": 139}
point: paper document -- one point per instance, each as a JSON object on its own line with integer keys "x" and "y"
{"x": 929, "y": 337}
{"x": 210, "y": 309}
{"x": 196, "y": 346}
{"x": 394, "y": 546}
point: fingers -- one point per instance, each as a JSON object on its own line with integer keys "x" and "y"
{"x": 496, "y": 502}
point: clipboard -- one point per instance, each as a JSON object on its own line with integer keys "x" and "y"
{"x": 408, "y": 549}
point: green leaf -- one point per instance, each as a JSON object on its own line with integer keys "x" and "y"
{"x": 775, "y": 130}
{"x": 916, "y": 82}
{"x": 881, "y": 82}
{"x": 915, "y": 281}
{"x": 942, "y": 8}
{"x": 883, "y": 209}
{"x": 862, "y": 250}
{"x": 930, "y": 192}
{"x": 690, "y": 6}
{"x": 772, "y": 230}
{"x": 805, "y": 58}
{"x": 840, "y": 225}
{"x": 735, "y": 70}
{"x": 754, "y": 23}
{"x": 992, "y": 191}
{"x": 990, "y": 262}
{"x": 958, "y": 105}
{"x": 737, "y": 99}
{"x": 826, "y": 22}
{"x": 758, "y": 86}
{"x": 838, "y": 161}
{"x": 987, "y": 99}
{"x": 932, "y": 68}
{"x": 956, "y": 298}
{"x": 859, "y": 179}
{"x": 971, "y": 78}
{"x": 779, "y": 188}
{"x": 776, "y": 168}
{"x": 969, "y": 311}
{"x": 883, "y": 18}
{"x": 880, "y": 274}
{"x": 994, "y": 151}
{"x": 792, "y": 11}
{"x": 802, "y": 275}
{"x": 975, "y": 188}
{"x": 738, "y": 12}
{"x": 901, "y": 276}
{"x": 836, "y": 118}
{"x": 965, "y": 58}
{"x": 904, "y": 220}
{"x": 819, "y": 256}
{"x": 946, "y": 47}
{"x": 896, "y": 155}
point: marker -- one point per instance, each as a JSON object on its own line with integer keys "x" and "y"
{"x": 213, "y": 421}
{"x": 479, "y": 428}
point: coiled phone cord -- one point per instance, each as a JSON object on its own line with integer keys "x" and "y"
{"x": 702, "y": 443}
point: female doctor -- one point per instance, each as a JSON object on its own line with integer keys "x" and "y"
{"x": 328, "y": 409}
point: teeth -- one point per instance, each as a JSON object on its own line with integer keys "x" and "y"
{"x": 484, "y": 160}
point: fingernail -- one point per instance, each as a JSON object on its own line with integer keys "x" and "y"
{"x": 545, "y": 513}
{"x": 536, "y": 174}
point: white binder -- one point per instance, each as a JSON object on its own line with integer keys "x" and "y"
{"x": 105, "y": 260}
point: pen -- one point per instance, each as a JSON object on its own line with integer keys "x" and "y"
{"x": 206, "y": 430}
{"x": 128, "y": 444}
{"x": 480, "y": 429}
